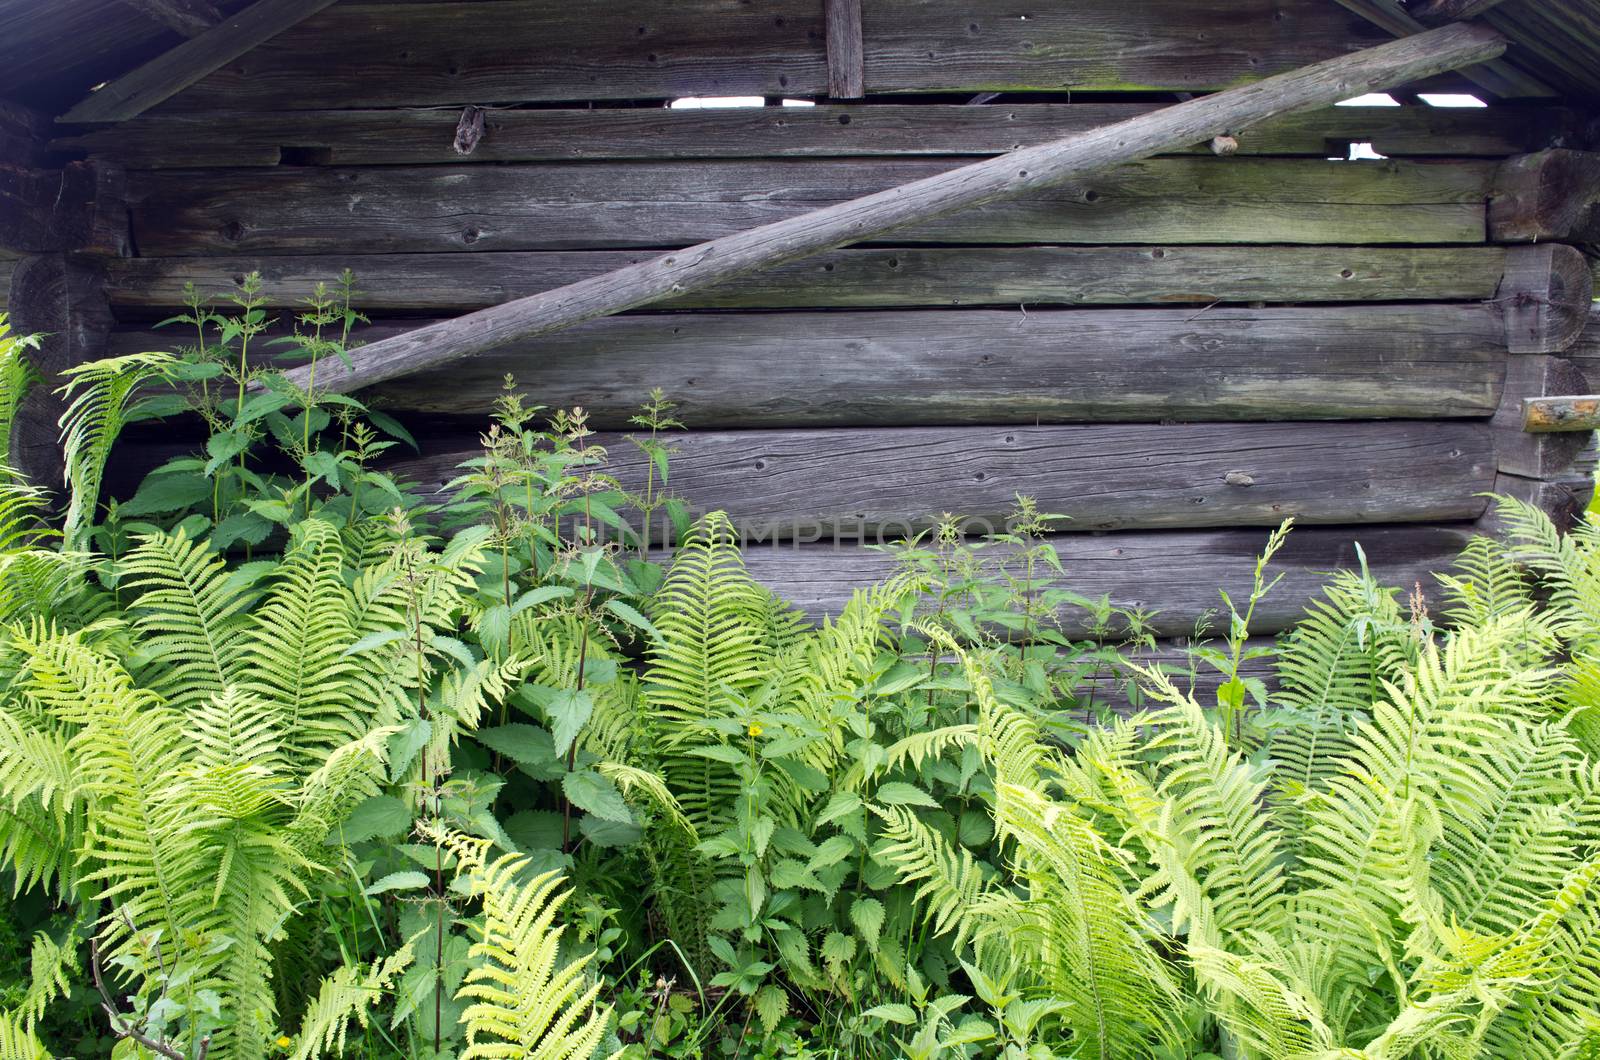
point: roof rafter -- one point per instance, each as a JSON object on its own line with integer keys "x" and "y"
{"x": 1498, "y": 77}
{"x": 188, "y": 17}
{"x": 170, "y": 73}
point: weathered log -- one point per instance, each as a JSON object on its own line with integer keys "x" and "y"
{"x": 413, "y": 137}
{"x": 395, "y": 55}
{"x": 1531, "y": 455}
{"x": 171, "y": 72}
{"x": 655, "y": 204}
{"x": 1176, "y": 574}
{"x": 860, "y": 219}
{"x": 1016, "y": 366}
{"x": 60, "y": 299}
{"x": 23, "y": 135}
{"x": 1545, "y": 295}
{"x": 846, "y": 64}
{"x": 880, "y": 484}
{"x": 1549, "y": 196}
{"x": 899, "y": 276}
{"x": 45, "y": 210}
{"x": 1561, "y": 414}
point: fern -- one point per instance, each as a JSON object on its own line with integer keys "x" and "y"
{"x": 348, "y": 993}
{"x": 525, "y": 1000}
{"x": 99, "y": 396}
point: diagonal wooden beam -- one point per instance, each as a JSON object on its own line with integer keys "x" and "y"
{"x": 1498, "y": 78}
{"x": 1085, "y": 154}
{"x": 188, "y": 17}
{"x": 171, "y": 72}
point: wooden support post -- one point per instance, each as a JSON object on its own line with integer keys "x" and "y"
{"x": 63, "y": 300}
{"x": 1518, "y": 452}
{"x": 695, "y": 268}
{"x": 1548, "y": 196}
{"x": 1544, "y": 297}
{"x": 170, "y": 73}
{"x": 847, "y": 78}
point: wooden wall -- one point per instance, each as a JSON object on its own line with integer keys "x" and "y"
{"x": 1176, "y": 355}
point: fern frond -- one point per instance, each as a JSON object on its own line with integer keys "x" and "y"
{"x": 525, "y": 1001}
{"x": 949, "y": 878}
{"x": 99, "y": 394}
{"x": 347, "y": 993}
{"x": 18, "y": 1042}
{"x": 189, "y": 618}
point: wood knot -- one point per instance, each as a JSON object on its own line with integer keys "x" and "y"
{"x": 469, "y": 130}
{"x": 1239, "y": 478}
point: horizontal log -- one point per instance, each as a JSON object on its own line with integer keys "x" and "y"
{"x": 880, "y": 484}
{"x": 664, "y": 204}
{"x": 867, "y": 278}
{"x": 414, "y": 137}
{"x": 981, "y": 366}
{"x": 1175, "y": 573}
{"x": 385, "y": 55}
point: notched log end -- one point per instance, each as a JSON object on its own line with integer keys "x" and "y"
{"x": 1548, "y": 196}
{"x": 1544, "y": 297}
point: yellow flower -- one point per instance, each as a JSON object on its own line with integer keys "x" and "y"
{"x": 755, "y": 728}
{"x": 284, "y": 1042}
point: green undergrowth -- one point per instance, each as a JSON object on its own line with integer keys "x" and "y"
{"x": 293, "y": 763}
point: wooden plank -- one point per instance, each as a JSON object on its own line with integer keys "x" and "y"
{"x": 846, "y": 63}
{"x": 7, "y": 267}
{"x": 981, "y": 366}
{"x": 865, "y": 278}
{"x": 1549, "y": 196}
{"x": 1175, "y": 573}
{"x": 385, "y": 55}
{"x": 1546, "y": 295}
{"x": 1533, "y": 455}
{"x": 1563, "y": 501}
{"x": 188, "y": 17}
{"x": 935, "y": 196}
{"x": 880, "y": 484}
{"x": 659, "y": 204}
{"x": 415, "y": 137}
{"x": 171, "y": 72}
{"x": 1567, "y": 413}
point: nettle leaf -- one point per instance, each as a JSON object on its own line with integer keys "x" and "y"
{"x": 898, "y": 793}
{"x": 161, "y": 493}
{"x": 842, "y": 804}
{"x": 772, "y": 1004}
{"x": 831, "y": 851}
{"x": 405, "y": 880}
{"x": 867, "y": 915}
{"x": 904, "y": 1015}
{"x": 569, "y": 710}
{"x": 593, "y": 793}
{"x": 603, "y": 833}
{"x": 531, "y": 747}
{"x": 535, "y": 830}
{"x": 380, "y": 817}
{"x": 631, "y": 617}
